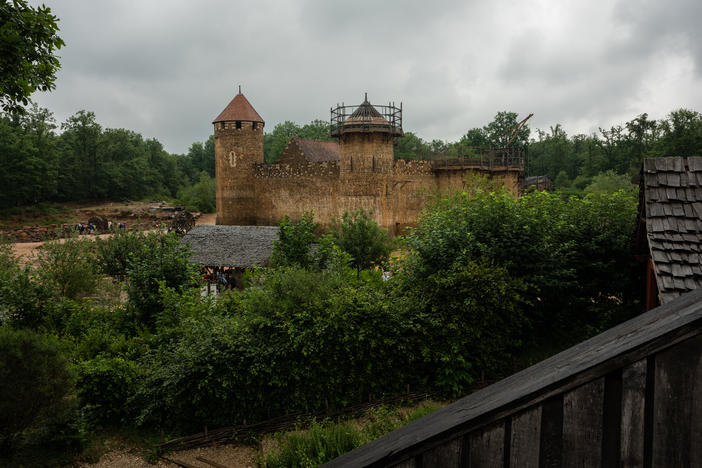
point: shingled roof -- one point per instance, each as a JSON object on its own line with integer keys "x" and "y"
{"x": 310, "y": 150}
{"x": 367, "y": 114}
{"x": 671, "y": 202}
{"x": 239, "y": 109}
{"x": 231, "y": 246}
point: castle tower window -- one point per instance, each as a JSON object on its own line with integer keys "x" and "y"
{"x": 238, "y": 124}
{"x": 254, "y": 125}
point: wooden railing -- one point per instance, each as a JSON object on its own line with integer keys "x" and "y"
{"x": 499, "y": 158}
{"x": 627, "y": 397}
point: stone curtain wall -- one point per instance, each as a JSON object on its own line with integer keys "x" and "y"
{"x": 396, "y": 199}
{"x": 250, "y": 192}
{"x": 323, "y": 169}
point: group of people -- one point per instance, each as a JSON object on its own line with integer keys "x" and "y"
{"x": 221, "y": 278}
{"x": 85, "y": 228}
{"x": 90, "y": 228}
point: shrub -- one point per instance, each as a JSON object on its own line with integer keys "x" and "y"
{"x": 113, "y": 252}
{"x": 361, "y": 237}
{"x": 469, "y": 321}
{"x": 70, "y": 266}
{"x": 572, "y": 255}
{"x": 162, "y": 262}
{"x": 294, "y": 340}
{"x": 104, "y": 386}
{"x": 36, "y": 384}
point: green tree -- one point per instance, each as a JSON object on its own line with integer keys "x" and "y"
{"x": 295, "y": 242}
{"x": 201, "y": 196}
{"x": 562, "y": 181}
{"x": 28, "y": 44}
{"x": 274, "y": 143}
{"x": 409, "y": 147}
{"x": 572, "y": 254}
{"x": 162, "y": 262}
{"x": 360, "y": 236}
{"x": 499, "y": 131}
{"x": 70, "y": 266}
{"x": 35, "y": 384}
{"x": 28, "y": 156}
{"x": 610, "y": 182}
{"x": 316, "y": 130}
{"x": 79, "y": 164}
{"x": 681, "y": 134}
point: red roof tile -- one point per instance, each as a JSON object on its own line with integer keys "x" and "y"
{"x": 239, "y": 109}
{"x": 319, "y": 151}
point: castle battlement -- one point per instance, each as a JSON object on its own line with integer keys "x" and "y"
{"x": 402, "y": 167}
{"x": 357, "y": 172}
{"x": 310, "y": 169}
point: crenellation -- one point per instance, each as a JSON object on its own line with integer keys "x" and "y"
{"x": 328, "y": 178}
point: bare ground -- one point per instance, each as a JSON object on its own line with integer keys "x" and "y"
{"x": 26, "y": 251}
{"x": 227, "y": 455}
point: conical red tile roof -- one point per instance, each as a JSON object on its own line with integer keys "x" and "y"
{"x": 239, "y": 109}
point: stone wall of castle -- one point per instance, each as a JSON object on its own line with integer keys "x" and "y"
{"x": 250, "y": 192}
{"x": 395, "y": 198}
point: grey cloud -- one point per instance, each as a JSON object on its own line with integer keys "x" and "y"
{"x": 166, "y": 69}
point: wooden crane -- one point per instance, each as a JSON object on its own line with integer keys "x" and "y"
{"x": 514, "y": 131}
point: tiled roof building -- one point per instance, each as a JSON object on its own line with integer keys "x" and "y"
{"x": 670, "y": 225}
{"x": 301, "y": 150}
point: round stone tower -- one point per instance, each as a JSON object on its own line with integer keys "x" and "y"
{"x": 238, "y": 136}
{"x": 366, "y": 136}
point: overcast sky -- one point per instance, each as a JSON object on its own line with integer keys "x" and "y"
{"x": 166, "y": 69}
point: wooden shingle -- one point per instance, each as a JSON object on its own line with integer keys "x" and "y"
{"x": 672, "y": 194}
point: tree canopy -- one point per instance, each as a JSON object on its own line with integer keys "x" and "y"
{"x": 28, "y": 46}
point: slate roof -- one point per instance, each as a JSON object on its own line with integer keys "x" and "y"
{"x": 311, "y": 150}
{"x": 239, "y": 109}
{"x": 231, "y": 246}
{"x": 671, "y": 189}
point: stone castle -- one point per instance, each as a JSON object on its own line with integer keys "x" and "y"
{"x": 357, "y": 172}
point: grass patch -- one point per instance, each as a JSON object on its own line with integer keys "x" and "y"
{"x": 325, "y": 440}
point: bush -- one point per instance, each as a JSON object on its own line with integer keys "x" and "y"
{"x": 361, "y": 237}
{"x": 162, "y": 262}
{"x": 36, "y": 384}
{"x": 469, "y": 322}
{"x": 295, "y": 340}
{"x": 70, "y": 266}
{"x": 104, "y": 388}
{"x": 112, "y": 253}
{"x": 572, "y": 255}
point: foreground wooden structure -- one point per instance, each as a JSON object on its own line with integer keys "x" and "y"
{"x": 630, "y": 397}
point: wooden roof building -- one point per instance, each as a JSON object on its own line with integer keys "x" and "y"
{"x": 231, "y": 246}
{"x": 669, "y": 228}
{"x": 628, "y": 397}
{"x": 302, "y": 150}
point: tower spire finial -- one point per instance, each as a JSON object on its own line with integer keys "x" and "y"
{"x": 366, "y": 96}
{"x": 239, "y": 89}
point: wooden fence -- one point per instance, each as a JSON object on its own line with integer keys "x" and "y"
{"x": 629, "y": 397}
{"x": 494, "y": 159}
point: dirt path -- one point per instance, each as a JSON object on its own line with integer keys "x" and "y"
{"x": 26, "y": 251}
{"x": 226, "y": 455}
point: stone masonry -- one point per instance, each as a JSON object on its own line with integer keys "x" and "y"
{"x": 366, "y": 176}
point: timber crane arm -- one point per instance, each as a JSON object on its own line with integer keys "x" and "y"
{"x": 514, "y": 131}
